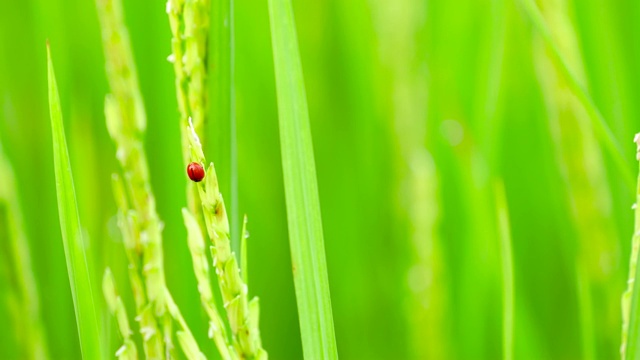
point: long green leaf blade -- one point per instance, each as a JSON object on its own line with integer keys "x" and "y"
{"x": 508, "y": 289}
{"x": 631, "y": 297}
{"x": 77, "y": 266}
{"x": 301, "y": 190}
{"x": 600, "y": 126}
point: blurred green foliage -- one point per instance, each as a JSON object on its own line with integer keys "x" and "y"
{"x": 417, "y": 109}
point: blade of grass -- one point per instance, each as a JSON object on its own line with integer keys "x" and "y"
{"x": 602, "y": 130}
{"x": 508, "y": 304}
{"x": 580, "y": 160}
{"x": 585, "y": 310}
{"x": 301, "y": 190}
{"x": 631, "y": 297}
{"x": 77, "y": 267}
{"x": 27, "y": 320}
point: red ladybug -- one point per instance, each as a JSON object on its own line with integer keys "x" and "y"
{"x": 195, "y": 172}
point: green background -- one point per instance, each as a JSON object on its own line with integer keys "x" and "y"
{"x": 419, "y": 111}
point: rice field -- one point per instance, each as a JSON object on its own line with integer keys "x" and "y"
{"x": 363, "y": 179}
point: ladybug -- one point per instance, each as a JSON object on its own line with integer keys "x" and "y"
{"x": 195, "y": 172}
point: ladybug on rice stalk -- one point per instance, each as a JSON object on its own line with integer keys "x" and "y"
{"x": 195, "y": 172}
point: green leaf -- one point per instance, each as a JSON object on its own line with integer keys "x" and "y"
{"x": 506, "y": 253}
{"x": 600, "y": 126}
{"x": 301, "y": 190}
{"x": 631, "y": 306}
{"x": 77, "y": 267}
